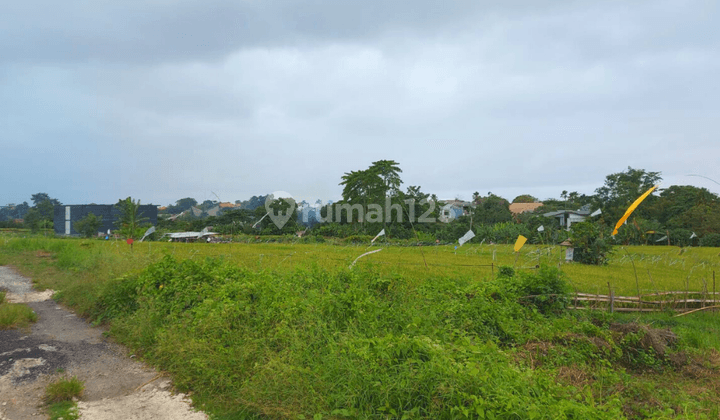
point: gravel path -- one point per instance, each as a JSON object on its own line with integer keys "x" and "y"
{"x": 60, "y": 343}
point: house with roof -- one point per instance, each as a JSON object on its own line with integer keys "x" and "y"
{"x": 568, "y": 217}
{"x": 452, "y": 209}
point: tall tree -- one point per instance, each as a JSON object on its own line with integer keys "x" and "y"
{"x": 621, "y": 189}
{"x": 492, "y": 209}
{"x": 131, "y": 222}
{"x": 40, "y": 197}
{"x": 389, "y": 171}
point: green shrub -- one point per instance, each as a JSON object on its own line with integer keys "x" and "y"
{"x": 590, "y": 246}
{"x": 711, "y": 239}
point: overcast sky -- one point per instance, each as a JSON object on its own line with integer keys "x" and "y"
{"x": 162, "y": 99}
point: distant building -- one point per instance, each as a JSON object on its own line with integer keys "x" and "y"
{"x": 568, "y": 217}
{"x": 452, "y": 209}
{"x": 65, "y": 216}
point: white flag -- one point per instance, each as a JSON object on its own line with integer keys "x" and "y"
{"x": 466, "y": 237}
{"x": 541, "y": 228}
{"x": 596, "y": 213}
{"x": 382, "y": 232}
{"x": 148, "y": 232}
{"x": 108, "y": 231}
{"x": 693, "y": 235}
{"x": 662, "y": 239}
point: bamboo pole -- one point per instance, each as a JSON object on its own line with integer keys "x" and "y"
{"x": 612, "y": 298}
{"x": 699, "y": 309}
{"x": 652, "y": 283}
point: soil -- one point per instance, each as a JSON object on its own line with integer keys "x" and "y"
{"x": 60, "y": 344}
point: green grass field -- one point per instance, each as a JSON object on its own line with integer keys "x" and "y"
{"x": 658, "y": 268}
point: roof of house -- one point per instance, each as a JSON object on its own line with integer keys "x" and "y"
{"x": 580, "y": 212}
{"x": 517, "y": 208}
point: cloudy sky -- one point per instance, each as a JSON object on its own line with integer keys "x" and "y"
{"x": 164, "y": 99}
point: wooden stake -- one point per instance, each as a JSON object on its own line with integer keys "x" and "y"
{"x": 612, "y": 299}
{"x": 714, "y": 289}
{"x": 652, "y": 283}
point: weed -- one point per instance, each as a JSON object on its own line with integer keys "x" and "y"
{"x": 64, "y": 389}
{"x": 16, "y": 315}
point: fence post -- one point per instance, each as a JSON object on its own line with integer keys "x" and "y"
{"x": 612, "y": 299}
{"x": 492, "y": 271}
{"x": 687, "y": 291}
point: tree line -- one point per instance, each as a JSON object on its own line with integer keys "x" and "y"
{"x": 676, "y": 215}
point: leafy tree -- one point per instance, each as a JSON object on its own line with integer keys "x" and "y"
{"x": 389, "y": 171}
{"x": 525, "y": 198}
{"x": 131, "y": 223}
{"x": 622, "y": 188}
{"x": 688, "y": 207}
{"x": 492, "y": 209}
{"x": 372, "y": 186}
{"x": 34, "y": 220}
{"x": 44, "y": 210}
{"x": 40, "y": 197}
{"x": 89, "y": 225}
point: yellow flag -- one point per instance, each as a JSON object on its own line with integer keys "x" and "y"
{"x": 520, "y": 242}
{"x": 632, "y": 208}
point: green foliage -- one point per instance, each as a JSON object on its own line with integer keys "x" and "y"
{"x": 525, "y": 198}
{"x": 64, "y": 389}
{"x": 89, "y": 225}
{"x": 131, "y": 223}
{"x": 64, "y": 410}
{"x": 546, "y": 288}
{"x": 590, "y": 245}
{"x": 492, "y": 209}
{"x": 273, "y": 340}
{"x": 711, "y": 239}
{"x": 622, "y": 189}
{"x": 15, "y": 315}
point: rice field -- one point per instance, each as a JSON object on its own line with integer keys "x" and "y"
{"x": 658, "y": 268}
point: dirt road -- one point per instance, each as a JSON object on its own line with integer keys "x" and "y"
{"x": 61, "y": 344}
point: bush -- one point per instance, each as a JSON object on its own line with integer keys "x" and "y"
{"x": 590, "y": 246}
{"x": 548, "y": 287}
{"x": 711, "y": 239}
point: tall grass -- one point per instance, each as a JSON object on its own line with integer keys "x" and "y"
{"x": 289, "y": 331}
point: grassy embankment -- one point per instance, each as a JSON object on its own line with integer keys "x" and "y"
{"x": 287, "y": 331}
